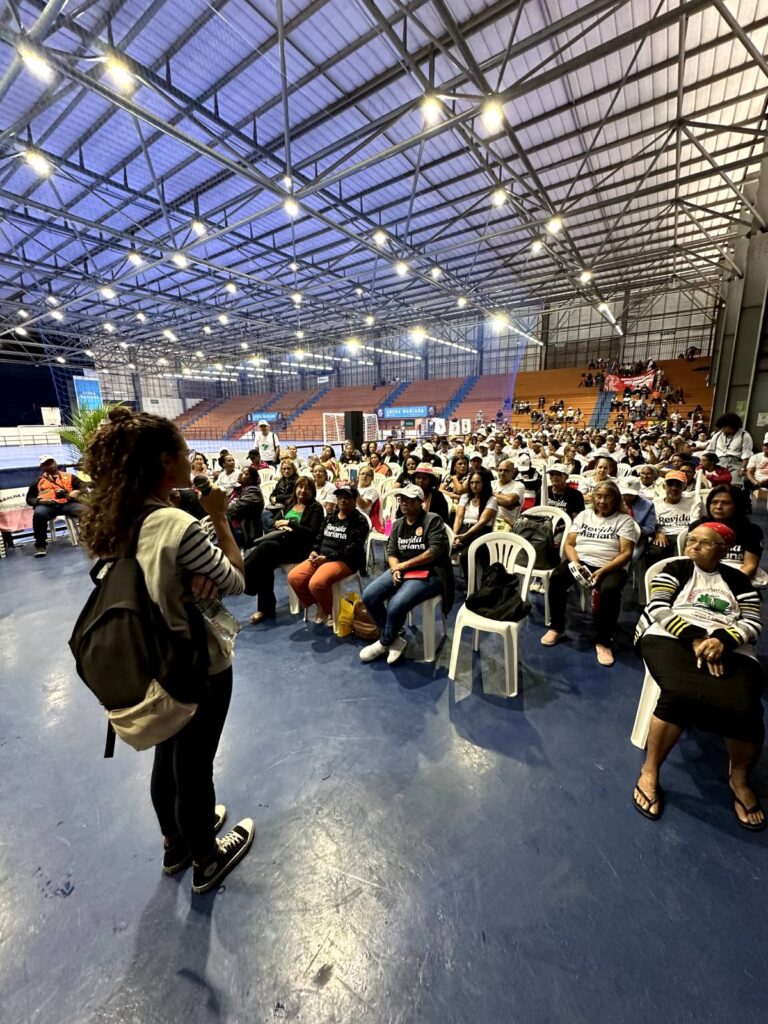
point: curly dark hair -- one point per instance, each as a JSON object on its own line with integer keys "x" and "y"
{"x": 124, "y": 461}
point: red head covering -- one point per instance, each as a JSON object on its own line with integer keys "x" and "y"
{"x": 728, "y": 535}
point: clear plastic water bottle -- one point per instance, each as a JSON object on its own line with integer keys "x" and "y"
{"x": 221, "y": 622}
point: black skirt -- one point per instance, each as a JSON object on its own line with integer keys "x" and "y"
{"x": 729, "y": 706}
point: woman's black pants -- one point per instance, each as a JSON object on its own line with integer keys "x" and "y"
{"x": 182, "y": 775}
{"x": 607, "y": 613}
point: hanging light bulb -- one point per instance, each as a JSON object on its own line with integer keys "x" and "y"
{"x": 461, "y": 301}
{"x": 554, "y": 224}
{"x": 107, "y": 292}
{"x": 537, "y": 245}
{"x": 418, "y": 334}
{"x": 492, "y": 115}
{"x": 293, "y": 265}
{"x": 180, "y": 260}
{"x": 135, "y": 259}
{"x": 198, "y": 228}
{"x": 231, "y": 287}
{"x": 370, "y": 320}
{"x": 206, "y": 329}
{"x": 299, "y": 334}
{"x": 291, "y": 207}
{"x": 401, "y": 268}
{"x": 57, "y": 315}
{"x": 436, "y": 273}
{"x": 380, "y": 237}
{"x": 499, "y": 196}
{"x": 296, "y": 298}
{"x": 223, "y": 319}
{"x": 36, "y": 63}
{"x": 585, "y": 277}
{"x": 119, "y": 72}
{"x": 499, "y": 321}
{"x": 141, "y": 317}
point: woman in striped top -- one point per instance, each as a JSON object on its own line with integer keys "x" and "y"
{"x": 697, "y": 636}
{"x": 136, "y": 460}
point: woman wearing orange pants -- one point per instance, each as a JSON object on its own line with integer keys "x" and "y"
{"x": 339, "y": 551}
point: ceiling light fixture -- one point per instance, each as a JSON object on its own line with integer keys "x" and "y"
{"x": 55, "y": 314}
{"x": 299, "y": 334}
{"x": 299, "y": 353}
{"x": 141, "y": 317}
{"x": 554, "y": 224}
{"x": 206, "y": 329}
{"x": 199, "y": 353}
{"x": 162, "y": 361}
{"x": 296, "y": 298}
{"x": 499, "y": 196}
{"x": 135, "y": 259}
{"x": 36, "y": 63}
{"x": 499, "y": 321}
{"x": 293, "y": 265}
{"x": 436, "y": 273}
{"x": 60, "y": 359}
{"x": 418, "y": 334}
{"x": 88, "y": 353}
{"x": 198, "y": 228}
{"x": 119, "y": 72}
{"x": 585, "y": 277}
{"x": 22, "y": 331}
{"x": 110, "y": 329}
{"x": 380, "y": 237}
{"x": 107, "y": 293}
{"x": 223, "y": 319}
{"x": 537, "y": 245}
{"x": 431, "y": 108}
{"x": 287, "y": 182}
{"x": 354, "y": 344}
{"x": 492, "y": 115}
{"x": 359, "y": 292}
{"x": 401, "y": 268}
{"x": 180, "y": 260}
{"x": 231, "y": 287}
{"x": 51, "y": 300}
{"x": 23, "y": 314}
{"x": 243, "y": 345}
{"x": 461, "y": 301}
{"x": 39, "y": 164}
{"x": 291, "y": 207}
{"x": 169, "y": 335}
{"x": 370, "y": 320}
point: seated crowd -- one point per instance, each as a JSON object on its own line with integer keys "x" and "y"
{"x": 675, "y": 497}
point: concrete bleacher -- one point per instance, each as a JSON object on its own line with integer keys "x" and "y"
{"x": 489, "y": 392}
{"x": 220, "y": 420}
{"x": 364, "y": 398}
{"x": 188, "y": 418}
{"x": 692, "y": 376}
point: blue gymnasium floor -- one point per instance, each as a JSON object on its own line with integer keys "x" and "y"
{"x": 424, "y": 853}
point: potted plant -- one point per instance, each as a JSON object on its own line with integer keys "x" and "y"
{"x": 83, "y": 424}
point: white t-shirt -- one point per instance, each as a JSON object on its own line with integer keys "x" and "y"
{"x": 227, "y": 481}
{"x": 509, "y": 515}
{"x": 759, "y": 466}
{"x": 472, "y": 512}
{"x": 598, "y": 538}
{"x": 327, "y": 494}
{"x": 369, "y": 494}
{"x": 267, "y": 445}
{"x": 673, "y": 519}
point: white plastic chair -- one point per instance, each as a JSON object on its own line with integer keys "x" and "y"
{"x": 72, "y": 530}
{"x": 506, "y": 548}
{"x": 388, "y": 510}
{"x": 294, "y": 605}
{"x": 557, "y": 516}
{"x": 429, "y": 612}
{"x": 651, "y": 692}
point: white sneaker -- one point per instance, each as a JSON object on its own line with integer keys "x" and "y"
{"x": 396, "y": 649}
{"x": 374, "y": 650}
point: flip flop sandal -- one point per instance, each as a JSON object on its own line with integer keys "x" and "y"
{"x": 748, "y": 825}
{"x": 646, "y": 811}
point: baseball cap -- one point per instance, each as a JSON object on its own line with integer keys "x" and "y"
{"x": 349, "y": 492}
{"x": 674, "y": 474}
{"x": 765, "y": 439}
{"x": 558, "y": 467}
{"x": 629, "y": 485}
{"x": 46, "y": 458}
{"x": 410, "y": 491}
{"x": 263, "y": 423}
{"x": 524, "y": 459}
{"x": 425, "y": 467}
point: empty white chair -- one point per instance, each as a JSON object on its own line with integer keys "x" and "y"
{"x": 294, "y": 605}
{"x": 388, "y": 510}
{"x": 650, "y": 692}
{"x": 557, "y": 516}
{"x": 508, "y": 549}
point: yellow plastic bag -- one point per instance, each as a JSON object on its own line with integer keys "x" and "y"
{"x": 346, "y": 613}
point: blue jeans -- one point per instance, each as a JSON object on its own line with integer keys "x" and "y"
{"x": 389, "y": 604}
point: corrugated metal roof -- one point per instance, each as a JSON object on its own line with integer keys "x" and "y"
{"x": 590, "y": 95}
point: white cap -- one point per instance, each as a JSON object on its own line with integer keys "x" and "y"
{"x": 263, "y": 423}
{"x": 558, "y": 467}
{"x": 46, "y": 458}
{"x": 765, "y": 439}
{"x": 629, "y": 485}
{"x": 410, "y": 491}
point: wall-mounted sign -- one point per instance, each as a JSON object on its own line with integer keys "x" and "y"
{"x": 270, "y": 417}
{"x": 88, "y": 392}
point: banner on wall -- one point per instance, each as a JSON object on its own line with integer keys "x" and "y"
{"x": 406, "y": 412}
{"x": 255, "y": 417}
{"x": 51, "y": 415}
{"x": 613, "y": 382}
{"x": 88, "y": 392}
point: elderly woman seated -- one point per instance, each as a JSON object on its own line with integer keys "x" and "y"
{"x": 599, "y": 545}
{"x": 697, "y": 637}
{"x": 245, "y": 508}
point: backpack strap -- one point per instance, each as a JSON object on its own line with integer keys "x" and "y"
{"x": 109, "y": 746}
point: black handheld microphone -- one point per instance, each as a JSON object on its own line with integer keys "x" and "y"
{"x": 203, "y": 484}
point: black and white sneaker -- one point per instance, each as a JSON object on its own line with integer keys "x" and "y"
{"x": 177, "y": 857}
{"x": 40, "y": 552}
{"x": 229, "y": 852}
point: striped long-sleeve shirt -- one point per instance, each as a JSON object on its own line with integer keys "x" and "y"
{"x": 687, "y": 604}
